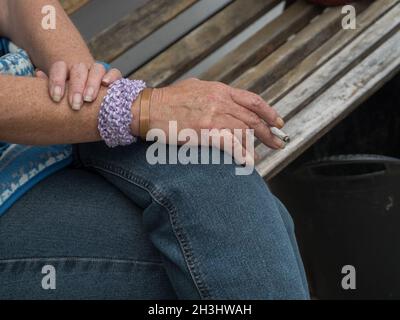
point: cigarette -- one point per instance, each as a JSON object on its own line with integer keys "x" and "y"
{"x": 280, "y": 134}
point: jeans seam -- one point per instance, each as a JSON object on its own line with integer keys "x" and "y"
{"x": 160, "y": 197}
{"x": 80, "y": 259}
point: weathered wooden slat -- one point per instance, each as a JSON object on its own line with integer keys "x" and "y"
{"x": 133, "y": 28}
{"x": 177, "y": 59}
{"x": 262, "y": 43}
{"x": 338, "y": 65}
{"x": 268, "y": 71}
{"x": 316, "y": 59}
{"x": 167, "y": 35}
{"x": 70, "y": 6}
{"x": 333, "y": 105}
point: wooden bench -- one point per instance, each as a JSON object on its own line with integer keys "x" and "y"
{"x": 302, "y": 62}
{"x": 70, "y": 6}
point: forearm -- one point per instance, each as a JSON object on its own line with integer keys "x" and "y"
{"x": 28, "y": 116}
{"x": 23, "y": 25}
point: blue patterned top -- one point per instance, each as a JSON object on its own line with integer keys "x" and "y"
{"x": 21, "y": 167}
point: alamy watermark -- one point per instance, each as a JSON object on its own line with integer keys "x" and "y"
{"x": 231, "y": 142}
{"x": 49, "y": 19}
{"x": 49, "y": 280}
{"x": 349, "y": 280}
{"x": 349, "y": 21}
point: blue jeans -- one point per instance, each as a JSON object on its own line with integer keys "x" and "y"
{"x": 115, "y": 227}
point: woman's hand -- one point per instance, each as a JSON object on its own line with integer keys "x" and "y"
{"x": 197, "y": 105}
{"x": 84, "y": 81}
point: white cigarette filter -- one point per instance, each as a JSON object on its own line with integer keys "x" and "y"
{"x": 280, "y": 134}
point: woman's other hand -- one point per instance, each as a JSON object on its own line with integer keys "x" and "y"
{"x": 84, "y": 81}
{"x": 197, "y": 105}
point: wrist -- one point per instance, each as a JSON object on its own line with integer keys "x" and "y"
{"x": 135, "y": 128}
{"x": 156, "y": 102}
{"x": 115, "y": 116}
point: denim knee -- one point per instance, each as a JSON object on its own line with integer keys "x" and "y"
{"x": 216, "y": 229}
{"x": 238, "y": 223}
{"x": 205, "y": 184}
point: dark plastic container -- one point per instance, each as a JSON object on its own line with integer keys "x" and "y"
{"x": 344, "y": 195}
{"x": 351, "y": 217}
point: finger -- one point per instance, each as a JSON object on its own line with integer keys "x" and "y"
{"x": 224, "y": 127}
{"x": 40, "y": 74}
{"x": 111, "y": 76}
{"x": 57, "y": 77}
{"x": 232, "y": 145}
{"x": 96, "y": 74}
{"x": 77, "y": 82}
{"x": 239, "y": 129}
{"x": 256, "y": 104}
{"x": 253, "y": 121}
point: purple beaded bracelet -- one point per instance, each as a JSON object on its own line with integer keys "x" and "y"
{"x": 115, "y": 116}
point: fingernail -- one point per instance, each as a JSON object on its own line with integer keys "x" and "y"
{"x": 77, "y": 101}
{"x": 57, "y": 91}
{"x": 106, "y": 80}
{"x": 89, "y": 94}
{"x": 280, "y": 122}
